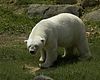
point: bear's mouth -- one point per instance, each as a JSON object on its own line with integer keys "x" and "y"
{"x": 33, "y": 52}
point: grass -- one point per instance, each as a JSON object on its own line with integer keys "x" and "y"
{"x": 17, "y": 64}
{"x": 14, "y": 56}
{"x": 13, "y": 20}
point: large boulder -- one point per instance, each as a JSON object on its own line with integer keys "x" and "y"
{"x": 46, "y": 11}
{"x": 89, "y": 3}
{"x": 94, "y": 16}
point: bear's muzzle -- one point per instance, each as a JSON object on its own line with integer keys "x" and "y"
{"x": 32, "y": 52}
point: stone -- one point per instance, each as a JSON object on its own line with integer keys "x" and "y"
{"x": 46, "y": 11}
{"x": 42, "y": 77}
{"x": 94, "y": 16}
{"x": 89, "y": 3}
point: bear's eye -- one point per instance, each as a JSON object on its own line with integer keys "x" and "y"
{"x": 29, "y": 46}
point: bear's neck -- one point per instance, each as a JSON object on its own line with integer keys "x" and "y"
{"x": 37, "y": 33}
{"x": 40, "y": 30}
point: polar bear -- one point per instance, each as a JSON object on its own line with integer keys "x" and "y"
{"x": 63, "y": 30}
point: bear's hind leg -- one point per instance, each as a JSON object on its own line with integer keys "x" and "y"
{"x": 83, "y": 49}
{"x": 64, "y": 55}
{"x": 68, "y": 51}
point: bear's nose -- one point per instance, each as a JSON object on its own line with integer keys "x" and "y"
{"x": 32, "y": 52}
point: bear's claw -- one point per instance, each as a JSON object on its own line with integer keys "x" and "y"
{"x": 41, "y": 60}
{"x": 44, "y": 65}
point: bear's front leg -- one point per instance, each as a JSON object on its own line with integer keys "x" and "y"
{"x": 51, "y": 57}
{"x": 43, "y": 56}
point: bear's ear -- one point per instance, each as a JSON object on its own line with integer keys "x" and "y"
{"x": 43, "y": 40}
{"x": 25, "y": 41}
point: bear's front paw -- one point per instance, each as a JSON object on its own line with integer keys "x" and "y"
{"x": 44, "y": 65}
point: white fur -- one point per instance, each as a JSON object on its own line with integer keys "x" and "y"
{"x": 63, "y": 30}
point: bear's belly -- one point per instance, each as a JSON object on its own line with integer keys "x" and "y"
{"x": 65, "y": 41}
{"x": 68, "y": 39}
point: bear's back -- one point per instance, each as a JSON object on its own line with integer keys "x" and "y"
{"x": 68, "y": 27}
{"x": 61, "y": 18}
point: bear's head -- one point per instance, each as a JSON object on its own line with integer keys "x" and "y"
{"x": 35, "y": 44}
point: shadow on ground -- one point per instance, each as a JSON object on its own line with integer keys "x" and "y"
{"x": 69, "y": 59}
